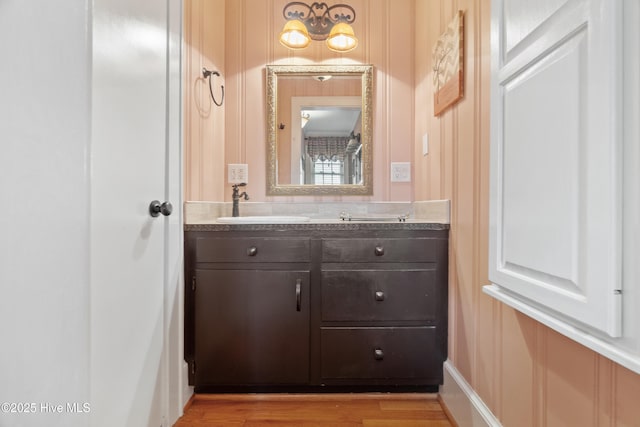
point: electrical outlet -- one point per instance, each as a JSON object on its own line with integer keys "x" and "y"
{"x": 237, "y": 173}
{"x": 400, "y": 172}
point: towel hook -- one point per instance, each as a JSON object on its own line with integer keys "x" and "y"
{"x": 206, "y": 73}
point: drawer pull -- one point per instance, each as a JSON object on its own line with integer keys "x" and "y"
{"x": 379, "y": 296}
{"x": 379, "y": 251}
{"x": 252, "y": 251}
{"x": 378, "y": 354}
{"x": 298, "y": 294}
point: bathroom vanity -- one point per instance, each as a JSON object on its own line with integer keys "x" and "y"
{"x": 316, "y": 305}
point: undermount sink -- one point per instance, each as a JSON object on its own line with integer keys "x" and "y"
{"x": 264, "y": 219}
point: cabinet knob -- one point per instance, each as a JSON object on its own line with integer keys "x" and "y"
{"x": 379, "y": 251}
{"x": 378, "y": 354}
{"x": 252, "y": 251}
{"x": 379, "y": 296}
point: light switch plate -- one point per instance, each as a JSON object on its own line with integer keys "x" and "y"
{"x": 425, "y": 144}
{"x": 400, "y": 172}
{"x": 237, "y": 173}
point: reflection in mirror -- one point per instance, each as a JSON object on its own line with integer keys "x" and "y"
{"x": 325, "y": 144}
{"x": 319, "y": 130}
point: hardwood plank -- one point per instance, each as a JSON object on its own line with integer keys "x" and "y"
{"x": 406, "y": 423}
{"x": 425, "y": 405}
{"x": 315, "y": 410}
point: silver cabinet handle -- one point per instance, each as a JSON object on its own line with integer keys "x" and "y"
{"x": 380, "y": 296}
{"x": 298, "y": 294}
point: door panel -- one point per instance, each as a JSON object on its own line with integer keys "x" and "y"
{"x": 556, "y": 156}
{"x": 129, "y": 96}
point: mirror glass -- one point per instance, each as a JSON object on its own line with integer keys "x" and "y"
{"x": 319, "y": 129}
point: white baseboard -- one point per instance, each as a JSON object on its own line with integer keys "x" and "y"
{"x": 462, "y": 401}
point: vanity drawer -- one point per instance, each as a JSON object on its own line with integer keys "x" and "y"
{"x": 246, "y": 249}
{"x": 379, "y": 353}
{"x": 379, "y": 295}
{"x": 380, "y": 250}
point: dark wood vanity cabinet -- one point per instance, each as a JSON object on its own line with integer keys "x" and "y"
{"x": 309, "y": 306}
{"x": 249, "y": 310}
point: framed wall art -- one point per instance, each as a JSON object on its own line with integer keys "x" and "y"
{"x": 448, "y": 65}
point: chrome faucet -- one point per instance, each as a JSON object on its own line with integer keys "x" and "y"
{"x": 237, "y": 196}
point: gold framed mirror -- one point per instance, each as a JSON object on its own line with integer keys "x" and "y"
{"x": 319, "y": 127}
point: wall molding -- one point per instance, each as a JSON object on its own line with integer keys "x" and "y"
{"x": 462, "y": 402}
{"x": 607, "y": 347}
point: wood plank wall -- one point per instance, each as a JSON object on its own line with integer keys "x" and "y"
{"x": 203, "y": 121}
{"x": 240, "y": 38}
{"x": 526, "y": 373}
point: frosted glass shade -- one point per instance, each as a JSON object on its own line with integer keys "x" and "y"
{"x": 342, "y": 38}
{"x": 294, "y": 35}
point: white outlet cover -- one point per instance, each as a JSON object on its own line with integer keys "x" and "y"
{"x": 400, "y": 172}
{"x": 237, "y": 173}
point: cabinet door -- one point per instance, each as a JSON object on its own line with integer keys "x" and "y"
{"x": 251, "y": 327}
{"x": 556, "y": 155}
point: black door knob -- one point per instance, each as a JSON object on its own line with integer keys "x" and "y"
{"x": 156, "y": 208}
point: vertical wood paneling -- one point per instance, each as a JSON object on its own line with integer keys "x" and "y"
{"x": 249, "y": 42}
{"x": 203, "y": 121}
{"x": 379, "y": 56}
{"x": 526, "y": 373}
{"x": 539, "y": 380}
{"x": 603, "y": 407}
{"x": 402, "y": 89}
{"x": 626, "y": 391}
{"x": 518, "y": 359}
{"x": 569, "y": 393}
{"x": 487, "y": 307}
{"x": 233, "y": 140}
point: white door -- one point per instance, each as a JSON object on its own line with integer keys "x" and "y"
{"x": 129, "y": 257}
{"x": 556, "y": 157}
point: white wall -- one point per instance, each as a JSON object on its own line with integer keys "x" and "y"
{"x": 44, "y": 148}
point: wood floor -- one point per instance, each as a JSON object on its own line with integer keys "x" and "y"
{"x": 315, "y": 410}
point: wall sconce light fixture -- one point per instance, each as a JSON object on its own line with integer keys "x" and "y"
{"x": 319, "y": 22}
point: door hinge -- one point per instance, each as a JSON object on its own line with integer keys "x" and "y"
{"x": 193, "y": 283}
